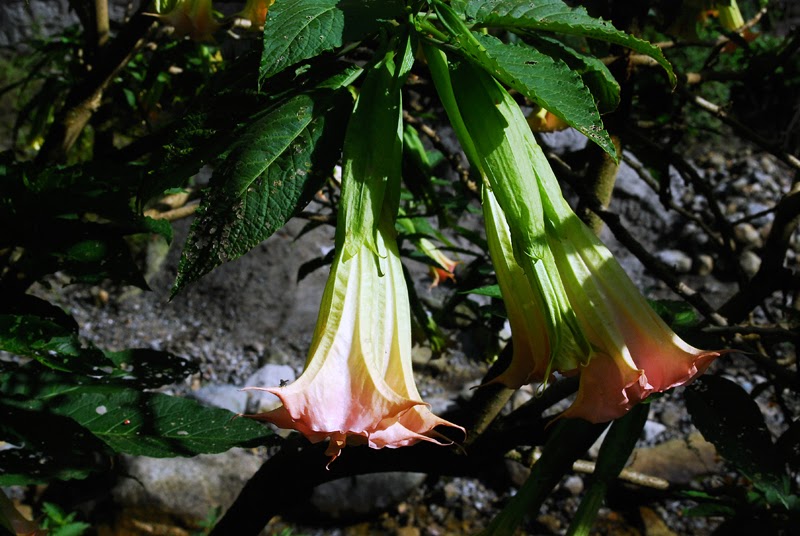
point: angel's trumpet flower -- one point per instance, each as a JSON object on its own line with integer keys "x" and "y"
{"x": 594, "y": 321}
{"x": 531, "y": 359}
{"x": 634, "y": 352}
{"x": 445, "y": 269}
{"x": 358, "y": 386}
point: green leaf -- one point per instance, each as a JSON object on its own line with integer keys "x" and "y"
{"x": 727, "y": 417}
{"x": 547, "y": 81}
{"x": 22, "y": 467}
{"x": 74, "y": 528}
{"x": 51, "y": 447}
{"x": 556, "y": 16}
{"x": 678, "y": 314}
{"x": 493, "y": 291}
{"x": 272, "y": 171}
{"x": 158, "y": 425}
{"x": 49, "y": 342}
{"x": 296, "y": 30}
{"x": 144, "y": 367}
{"x": 593, "y": 72}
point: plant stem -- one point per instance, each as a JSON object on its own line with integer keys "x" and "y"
{"x": 602, "y": 174}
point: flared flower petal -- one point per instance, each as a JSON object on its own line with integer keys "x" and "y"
{"x": 358, "y": 385}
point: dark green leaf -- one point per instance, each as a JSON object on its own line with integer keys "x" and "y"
{"x": 493, "y": 291}
{"x": 547, "y": 81}
{"x": 272, "y": 171}
{"x": 51, "y": 447}
{"x": 144, "y": 367}
{"x": 678, "y": 314}
{"x": 22, "y": 467}
{"x": 296, "y": 30}
{"x": 732, "y": 421}
{"x": 556, "y": 16}
{"x": 710, "y": 509}
{"x": 50, "y": 343}
{"x": 158, "y": 425}
{"x": 595, "y": 74}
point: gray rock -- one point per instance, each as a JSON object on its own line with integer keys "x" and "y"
{"x": 270, "y": 375}
{"x": 440, "y": 404}
{"x": 518, "y": 473}
{"x": 750, "y": 263}
{"x": 566, "y": 141}
{"x": 185, "y": 487}
{"x": 746, "y": 234}
{"x": 703, "y": 264}
{"x": 676, "y": 259}
{"x": 22, "y": 20}
{"x": 652, "y": 430}
{"x": 573, "y": 484}
{"x": 678, "y": 461}
{"x": 227, "y": 397}
{"x": 363, "y": 494}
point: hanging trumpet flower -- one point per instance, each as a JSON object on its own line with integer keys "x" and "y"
{"x": 358, "y": 386}
{"x": 635, "y": 353}
{"x": 604, "y": 328}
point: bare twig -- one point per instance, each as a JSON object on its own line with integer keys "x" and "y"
{"x": 669, "y": 203}
{"x": 628, "y": 475}
{"x": 744, "y": 130}
{"x": 728, "y": 241}
{"x": 772, "y": 275}
{"x": 101, "y": 22}
{"x": 173, "y": 214}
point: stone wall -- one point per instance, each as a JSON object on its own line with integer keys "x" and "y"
{"x": 21, "y": 20}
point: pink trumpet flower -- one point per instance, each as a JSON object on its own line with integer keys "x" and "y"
{"x": 358, "y": 386}
{"x": 634, "y": 352}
